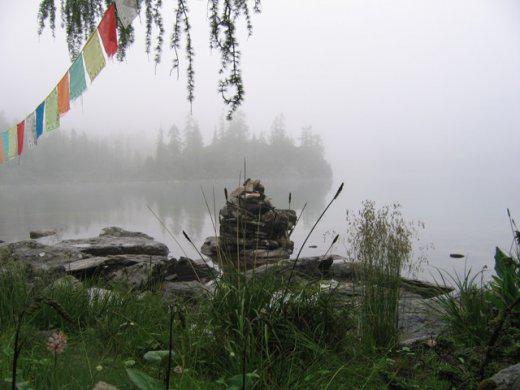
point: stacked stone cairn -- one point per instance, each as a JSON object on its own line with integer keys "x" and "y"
{"x": 252, "y": 231}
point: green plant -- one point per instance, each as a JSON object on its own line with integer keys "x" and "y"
{"x": 381, "y": 240}
{"x": 467, "y": 312}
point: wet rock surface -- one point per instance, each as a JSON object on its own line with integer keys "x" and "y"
{"x": 252, "y": 231}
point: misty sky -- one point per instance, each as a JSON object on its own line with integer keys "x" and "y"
{"x": 395, "y": 87}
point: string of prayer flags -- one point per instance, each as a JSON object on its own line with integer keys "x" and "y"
{"x": 93, "y": 55}
{"x": 30, "y": 131}
{"x": 52, "y": 116}
{"x": 20, "y": 127}
{"x": 72, "y": 85}
{"x": 127, "y": 11}
{"x": 13, "y": 143}
{"x": 108, "y": 32}
{"x": 77, "y": 78}
{"x": 39, "y": 120}
{"x": 64, "y": 94}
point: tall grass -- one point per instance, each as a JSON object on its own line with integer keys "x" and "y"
{"x": 381, "y": 240}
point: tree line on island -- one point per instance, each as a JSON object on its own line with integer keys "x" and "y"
{"x": 178, "y": 154}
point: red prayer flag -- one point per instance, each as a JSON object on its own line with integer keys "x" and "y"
{"x": 64, "y": 94}
{"x": 20, "y": 127}
{"x": 107, "y": 30}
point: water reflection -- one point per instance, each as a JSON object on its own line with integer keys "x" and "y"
{"x": 81, "y": 210}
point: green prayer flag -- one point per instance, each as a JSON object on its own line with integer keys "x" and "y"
{"x": 77, "y": 78}
{"x": 52, "y": 116}
{"x": 93, "y": 54}
{"x": 13, "y": 143}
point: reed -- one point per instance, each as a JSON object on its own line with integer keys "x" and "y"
{"x": 381, "y": 241}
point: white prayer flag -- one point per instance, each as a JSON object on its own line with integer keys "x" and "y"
{"x": 127, "y": 11}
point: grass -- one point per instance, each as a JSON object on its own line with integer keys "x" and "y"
{"x": 381, "y": 240}
{"x": 311, "y": 343}
{"x": 273, "y": 331}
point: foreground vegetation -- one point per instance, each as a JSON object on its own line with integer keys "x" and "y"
{"x": 260, "y": 332}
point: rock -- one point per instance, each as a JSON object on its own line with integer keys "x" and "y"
{"x": 34, "y": 234}
{"x": 67, "y": 281}
{"x": 252, "y": 231}
{"x": 188, "y": 290}
{"x": 103, "y": 386}
{"x": 418, "y": 320}
{"x": 40, "y": 257}
{"x": 186, "y": 269}
{"x": 506, "y": 379}
{"x": 116, "y": 241}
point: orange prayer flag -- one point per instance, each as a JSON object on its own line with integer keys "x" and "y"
{"x": 64, "y": 94}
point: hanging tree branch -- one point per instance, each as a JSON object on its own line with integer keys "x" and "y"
{"x": 80, "y": 17}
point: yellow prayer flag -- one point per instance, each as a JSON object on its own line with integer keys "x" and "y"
{"x": 52, "y": 115}
{"x": 93, "y": 55}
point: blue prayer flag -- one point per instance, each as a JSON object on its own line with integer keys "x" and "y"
{"x": 39, "y": 119}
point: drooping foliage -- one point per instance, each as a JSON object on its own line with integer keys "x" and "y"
{"x": 80, "y": 17}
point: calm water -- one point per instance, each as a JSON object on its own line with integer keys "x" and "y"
{"x": 465, "y": 217}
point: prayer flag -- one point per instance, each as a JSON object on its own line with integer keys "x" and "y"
{"x": 30, "y": 131}
{"x": 5, "y": 144}
{"x": 13, "y": 143}
{"x": 39, "y": 120}
{"x": 77, "y": 78}
{"x": 93, "y": 54}
{"x": 20, "y": 132}
{"x": 126, "y": 11}
{"x": 108, "y": 32}
{"x": 52, "y": 116}
{"x": 64, "y": 94}
{"x": 1, "y": 149}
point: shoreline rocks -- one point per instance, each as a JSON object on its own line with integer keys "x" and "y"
{"x": 139, "y": 262}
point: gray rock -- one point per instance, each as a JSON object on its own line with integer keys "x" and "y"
{"x": 418, "y": 320}
{"x": 116, "y": 241}
{"x": 33, "y": 234}
{"x": 104, "y": 386}
{"x": 187, "y": 290}
{"x": 186, "y": 269}
{"x": 66, "y": 281}
{"x": 506, "y": 379}
{"x": 40, "y": 257}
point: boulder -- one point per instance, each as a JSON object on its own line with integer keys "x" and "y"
{"x": 186, "y": 290}
{"x": 186, "y": 269}
{"x": 418, "y": 320}
{"x": 40, "y": 257}
{"x": 34, "y": 234}
{"x": 506, "y": 379}
{"x": 116, "y": 241}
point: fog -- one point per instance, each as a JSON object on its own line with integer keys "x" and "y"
{"x": 416, "y": 101}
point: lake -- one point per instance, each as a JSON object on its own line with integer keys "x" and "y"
{"x": 467, "y": 217}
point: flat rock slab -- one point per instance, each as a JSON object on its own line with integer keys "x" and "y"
{"x": 116, "y": 241}
{"x": 418, "y": 320}
{"x": 41, "y": 257}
